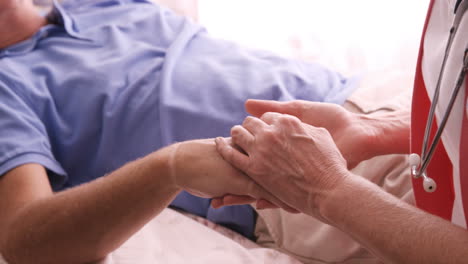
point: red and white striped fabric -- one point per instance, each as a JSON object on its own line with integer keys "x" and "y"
{"x": 449, "y": 166}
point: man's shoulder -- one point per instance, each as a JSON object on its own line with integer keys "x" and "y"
{"x": 10, "y": 80}
{"x": 12, "y": 90}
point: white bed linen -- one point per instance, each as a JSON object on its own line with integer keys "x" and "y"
{"x": 175, "y": 238}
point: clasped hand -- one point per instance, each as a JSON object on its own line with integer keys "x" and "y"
{"x": 299, "y": 163}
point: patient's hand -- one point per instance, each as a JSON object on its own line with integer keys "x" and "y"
{"x": 198, "y": 168}
{"x": 352, "y": 133}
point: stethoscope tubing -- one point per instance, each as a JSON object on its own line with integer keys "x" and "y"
{"x": 428, "y": 151}
{"x": 426, "y": 159}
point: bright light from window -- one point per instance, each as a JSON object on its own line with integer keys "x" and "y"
{"x": 349, "y": 35}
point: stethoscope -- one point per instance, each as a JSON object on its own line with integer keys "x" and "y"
{"x": 427, "y": 151}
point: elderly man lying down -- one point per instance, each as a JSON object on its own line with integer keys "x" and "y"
{"x": 94, "y": 97}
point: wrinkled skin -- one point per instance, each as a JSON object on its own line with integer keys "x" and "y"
{"x": 298, "y": 163}
{"x": 198, "y": 168}
{"x": 352, "y": 133}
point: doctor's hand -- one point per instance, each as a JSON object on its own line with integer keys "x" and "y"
{"x": 197, "y": 167}
{"x": 353, "y": 133}
{"x": 296, "y": 162}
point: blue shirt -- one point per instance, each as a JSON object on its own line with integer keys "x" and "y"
{"x": 110, "y": 81}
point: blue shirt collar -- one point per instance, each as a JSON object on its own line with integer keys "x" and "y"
{"x": 58, "y": 18}
{"x": 61, "y": 16}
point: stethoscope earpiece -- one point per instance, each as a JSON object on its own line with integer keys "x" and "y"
{"x": 414, "y": 162}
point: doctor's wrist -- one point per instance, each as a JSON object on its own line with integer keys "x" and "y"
{"x": 324, "y": 202}
{"x": 332, "y": 208}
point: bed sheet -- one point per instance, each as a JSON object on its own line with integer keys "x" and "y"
{"x": 174, "y": 238}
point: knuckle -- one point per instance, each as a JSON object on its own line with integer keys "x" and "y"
{"x": 269, "y": 134}
{"x": 235, "y": 131}
{"x": 247, "y": 120}
{"x": 322, "y": 130}
{"x": 265, "y": 115}
{"x": 289, "y": 121}
{"x": 268, "y": 116}
{"x": 271, "y": 137}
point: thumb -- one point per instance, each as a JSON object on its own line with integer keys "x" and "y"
{"x": 258, "y": 107}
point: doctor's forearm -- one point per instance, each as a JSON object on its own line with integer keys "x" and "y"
{"x": 392, "y": 229}
{"x": 87, "y": 222}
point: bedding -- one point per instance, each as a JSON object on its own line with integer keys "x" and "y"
{"x": 173, "y": 237}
